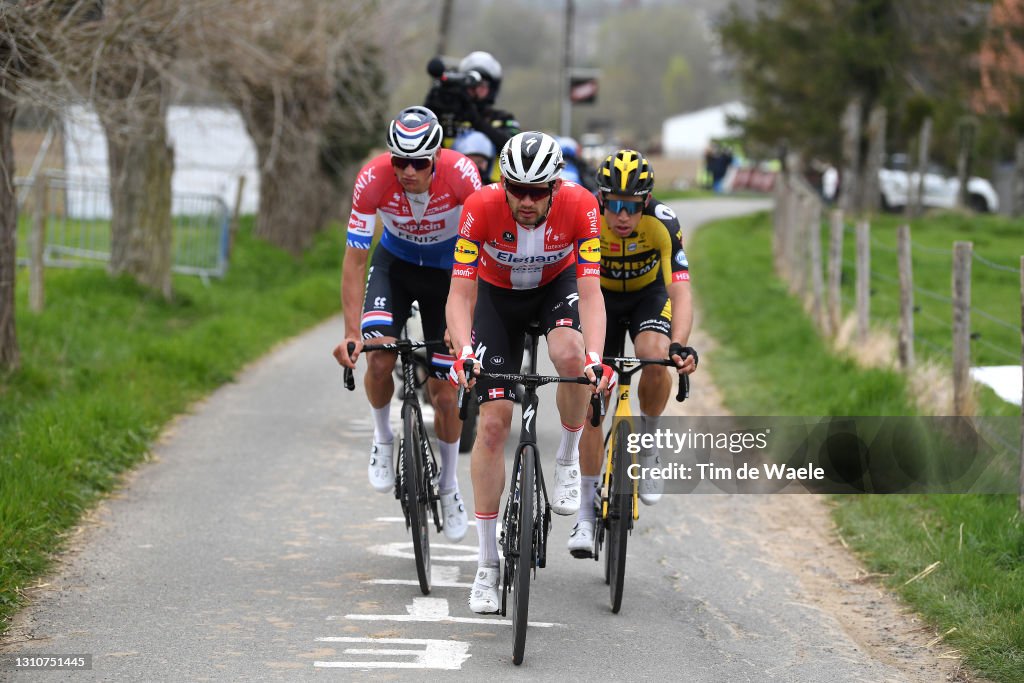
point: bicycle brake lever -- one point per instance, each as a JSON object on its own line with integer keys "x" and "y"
{"x": 684, "y": 388}
{"x": 464, "y": 392}
{"x": 596, "y": 407}
{"x": 350, "y": 380}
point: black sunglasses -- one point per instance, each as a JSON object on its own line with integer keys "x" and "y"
{"x": 401, "y": 163}
{"x": 522, "y": 192}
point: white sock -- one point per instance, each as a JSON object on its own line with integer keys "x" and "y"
{"x": 449, "y": 461}
{"x": 588, "y": 489}
{"x": 569, "y": 448}
{"x": 487, "y": 540}
{"x": 648, "y": 423}
{"x": 382, "y": 424}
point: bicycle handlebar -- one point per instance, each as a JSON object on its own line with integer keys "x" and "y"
{"x": 595, "y": 400}
{"x": 401, "y": 346}
{"x": 618, "y": 363}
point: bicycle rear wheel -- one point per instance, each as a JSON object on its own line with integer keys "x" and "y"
{"x": 416, "y": 492}
{"x": 523, "y": 551}
{"x": 621, "y": 517}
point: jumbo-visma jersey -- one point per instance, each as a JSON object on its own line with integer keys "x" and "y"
{"x": 651, "y": 253}
{"x": 505, "y": 254}
{"x": 427, "y": 241}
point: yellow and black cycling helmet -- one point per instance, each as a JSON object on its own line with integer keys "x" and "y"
{"x": 626, "y": 172}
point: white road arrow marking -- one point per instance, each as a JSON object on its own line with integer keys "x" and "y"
{"x": 435, "y": 654}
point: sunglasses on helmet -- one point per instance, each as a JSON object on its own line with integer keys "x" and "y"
{"x": 630, "y": 206}
{"x": 522, "y": 192}
{"x": 401, "y": 163}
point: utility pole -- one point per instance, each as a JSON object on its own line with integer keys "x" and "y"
{"x": 442, "y": 34}
{"x": 566, "y": 127}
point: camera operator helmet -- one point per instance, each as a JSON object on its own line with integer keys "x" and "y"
{"x": 489, "y": 69}
{"x": 626, "y": 172}
{"x": 531, "y": 158}
{"x": 414, "y": 134}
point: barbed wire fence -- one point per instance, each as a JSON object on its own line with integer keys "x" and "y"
{"x": 798, "y": 259}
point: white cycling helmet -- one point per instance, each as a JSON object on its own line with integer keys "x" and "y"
{"x": 415, "y": 133}
{"x": 531, "y": 157}
{"x": 474, "y": 142}
{"x": 487, "y": 66}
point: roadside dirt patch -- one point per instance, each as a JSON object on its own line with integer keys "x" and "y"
{"x": 798, "y": 533}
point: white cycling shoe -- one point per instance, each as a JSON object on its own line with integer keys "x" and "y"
{"x": 581, "y": 539}
{"x": 453, "y": 512}
{"x": 650, "y": 489}
{"x": 483, "y": 596}
{"x": 381, "y": 470}
{"x": 565, "y": 499}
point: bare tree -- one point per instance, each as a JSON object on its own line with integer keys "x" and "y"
{"x": 306, "y": 79}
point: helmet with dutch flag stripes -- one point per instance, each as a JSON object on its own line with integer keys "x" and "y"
{"x": 415, "y": 133}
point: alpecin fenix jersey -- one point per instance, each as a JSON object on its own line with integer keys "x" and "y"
{"x": 417, "y": 229}
{"x": 503, "y": 253}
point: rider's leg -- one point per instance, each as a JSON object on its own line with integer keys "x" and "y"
{"x": 487, "y": 470}
{"x": 565, "y": 346}
{"x": 444, "y": 398}
{"x": 653, "y": 391}
{"x": 379, "y": 383}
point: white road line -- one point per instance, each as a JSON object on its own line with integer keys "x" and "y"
{"x": 435, "y": 654}
{"x": 403, "y": 549}
{"x": 436, "y": 610}
{"x": 402, "y": 520}
{"x": 446, "y": 576}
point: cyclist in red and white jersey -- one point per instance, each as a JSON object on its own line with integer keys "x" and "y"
{"x": 528, "y": 250}
{"x": 418, "y": 189}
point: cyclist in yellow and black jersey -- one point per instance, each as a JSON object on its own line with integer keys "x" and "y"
{"x": 645, "y": 280}
{"x": 651, "y": 253}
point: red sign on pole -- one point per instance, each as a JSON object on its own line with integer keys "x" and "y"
{"x": 583, "y": 89}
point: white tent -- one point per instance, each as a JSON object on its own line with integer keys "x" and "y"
{"x": 211, "y": 150}
{"x": 688, "y": 135}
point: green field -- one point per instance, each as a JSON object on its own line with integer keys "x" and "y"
{"x": 771, "y": 361}
{"x": 106, "y": 366}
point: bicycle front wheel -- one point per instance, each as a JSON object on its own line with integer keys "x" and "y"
{"x": 621, "y": 516}
{"x": 416, "y": 492}
{"x": 524, "y": 557}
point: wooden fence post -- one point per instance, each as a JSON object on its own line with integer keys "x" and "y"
{"x": 863, "y": 279}
{"x": 906, "y": 298}
{"x": 835, "y": 269}
{"x": 961, "y": 327}
{"x": 817, "y": 276}
{"x": 798, "y": 283}
{"x": 37, "y": 244}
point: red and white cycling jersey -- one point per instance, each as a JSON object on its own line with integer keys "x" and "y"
{"x": 424, "y": 235}
{"x": 506, "y": 254}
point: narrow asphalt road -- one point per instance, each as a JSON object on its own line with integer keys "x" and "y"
{"x": 252, "y": 548}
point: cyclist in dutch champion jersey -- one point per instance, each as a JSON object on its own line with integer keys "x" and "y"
{"x": 417, "y": 188}
{"x": 528, "y": 250}
{"x": 645, "y": 280}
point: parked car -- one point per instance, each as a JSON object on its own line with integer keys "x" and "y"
{"x": 940, "y": 189}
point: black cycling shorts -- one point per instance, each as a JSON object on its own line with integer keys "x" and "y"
{"x": 648, "y": 309}
{"x": 500, "y": 322}
{"x": 391, "y": 286}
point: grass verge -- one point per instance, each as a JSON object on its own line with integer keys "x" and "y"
{"x": 105, "y": 366}
{"x": 768, "y": 352}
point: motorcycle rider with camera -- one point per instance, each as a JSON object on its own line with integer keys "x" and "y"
{"x": 464, "y": 101}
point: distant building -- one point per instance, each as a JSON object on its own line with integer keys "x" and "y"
{"x": 688, "y": 135}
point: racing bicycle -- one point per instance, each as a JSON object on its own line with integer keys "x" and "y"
{"x": 416, "y": 471}
{"x": 616, "y": 504}
{"x": 527, "y": 515}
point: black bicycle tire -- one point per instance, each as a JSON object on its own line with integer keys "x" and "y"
{"x": 524, "y": 566}
{"x": 606, "y": 523}
{"x": 412, "y": 474}
{"x": 622, "y": 516}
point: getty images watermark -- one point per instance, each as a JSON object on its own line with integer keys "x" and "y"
{"x": 829, "y": 454}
